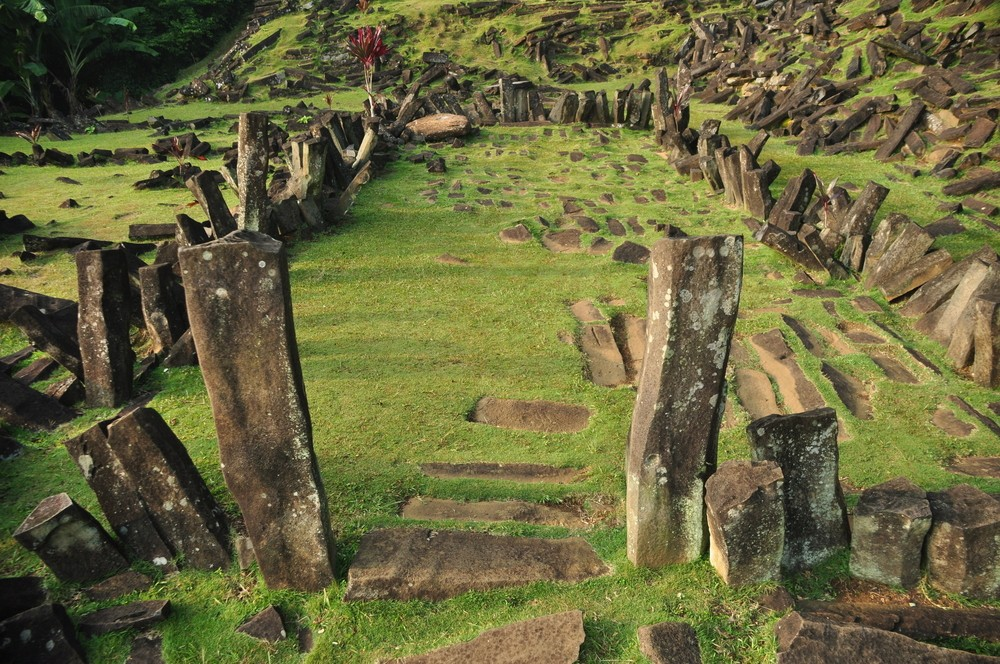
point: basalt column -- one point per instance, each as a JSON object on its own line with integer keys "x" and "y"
{"x": 694, "y": 294}
{"x": 240, "y": 309}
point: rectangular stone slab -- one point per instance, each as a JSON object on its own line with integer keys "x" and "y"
{"x": 417, "y": 563}
{"x": 240, "y": 309}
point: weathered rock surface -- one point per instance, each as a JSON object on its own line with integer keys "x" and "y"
{"x": 962, "y": 552}
{"x": 136, "y": 615}
{"x": 23, "y": 406}
{"x": 797, "y": 391}
{"x": 753, "y": 388}
{"x": 890, "y": 523}
{"x": 518, "y": 234}
{"x": 670, "y": 643}
{"x": 240, "y": 310}
{"x": 917, "y": 622}
{"x": 42, "y": 635}
{"x": 163, "y": 308}
{"x": 266, "y": 626}
{"x": 19, "y": 594}
{"x": 120, "y": 584}
{"x": 605, "y": 366}
{"x": 414, "y": 563}
{"x": 694, "y": 294}
{"x": 804, "y": 445}
{"x": 544, "y": 416}
{"x": 440, "y": 126}
{"x": 553, "y": 639}
{"x": 746, "y": 519}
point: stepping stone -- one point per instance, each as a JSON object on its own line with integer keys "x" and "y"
{"x": 945, "y": 420}
{"x": 541, "y": 416}
{"x": 616, "y": 228}
{"x": 137, "y": 615}
{"x": 977, "y": 466}
{"x": 797, "y": 391}
{"x": 600, "y": 246}
{"x": 586, "y": 224}
{"x": 417, "y": 563}
{"x": 529, "y": 473}
{"x": 515, "y": 235}
{"x": 438, "y": 509}
{"x": 586, "y": 312}
{"x": 894, "y": 370}
{"x": 562, "y": 242}
{"x": 448, "y": 259}
{"x": 866, "y": 305}
{"x": 670, "y": 643}
{"x": 605, "y": 365}
{"x": 850, "y": 390}
{"x": 630, "y": 252}
{"x": 552, "y": 639}
{"x": 753, "y": 388}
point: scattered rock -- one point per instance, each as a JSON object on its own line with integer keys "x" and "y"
{"x": 518, "y": 234}
{"x": 266, "y": 626}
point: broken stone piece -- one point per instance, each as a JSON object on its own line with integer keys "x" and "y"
{"x": 42, "y": 635}
{"x": 962, "y": 555}
{"x": 136, "y": 615}
{"x": 266, "y": 626}
{"x": 890, "y": 523}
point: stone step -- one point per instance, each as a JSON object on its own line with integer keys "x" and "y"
{"x": 433, "y": 565}
{"x": 540, "y": 416}
{"x": 531, "y": 473}
{"x": 440, "y": 509}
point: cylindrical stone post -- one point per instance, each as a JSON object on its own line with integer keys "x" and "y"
{"x": 70, "y": 541}
{"x": 694, "y": 294}
{"x": 103, "y": 326}
{"x": 240, "y": 309}
{"x": 251, "y": 171}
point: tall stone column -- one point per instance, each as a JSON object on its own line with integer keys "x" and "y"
{"x": 251, "y": 172}
{"x": 694, "y": 294}
{"x": 103, "y": 324}
{"x": 240, "y": 310}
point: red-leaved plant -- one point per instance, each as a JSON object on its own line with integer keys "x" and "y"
{"x": 366, "y": 45}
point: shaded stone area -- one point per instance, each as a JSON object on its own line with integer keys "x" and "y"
{"x": 413, "y": 563}
{"x": 42, "y": 635}
{"x": 670, "y": 643}
{"x": 137, "y": 615}
{"x": 552, "y": 639}
{"x": 890, "y": 523}
{"x": 542, "y": 416}
{"x": 806, "y": 640}
{"x": 25, "y": 407}
{"x": 694, "y": 290}
{"x": 511, "y": 472}
{"x": 19, "y": 594}
{"x": 439, "y": 509}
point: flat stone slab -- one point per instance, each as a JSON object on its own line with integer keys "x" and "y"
{"x": 512, "y": 472}
{"x": 605, "y": 366}
{"x": 753, "y": 388}
{"x": 586, "y": 312}
{"x": 439, "y": 509}
{"x": 553, "y": 639}
{"x": 894, "y": 370}
{"x": 138, "y": 615}
{"x": 561, "y": 242}
{"x": 977, "y": 466}
{"x": 418, "y": 563}
{"x": 850, "y": 390}
{"x": 542, "y": 416}
{"x": 777, "y": 359}
{"x": 670, "y": 643}
{"x": 945, "y": 420}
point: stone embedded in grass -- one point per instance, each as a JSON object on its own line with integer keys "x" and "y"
{"x": 962, "y": 555}
{"x": 103, "y": 328}
{"x": 746, "y": 518}
{"x": 797, "y": 392}
{"x": 266, "y": 626}
{"x": 805, "y": 446}
{"x": 630, "y": 335}
{"x": 630, "y": 252}
{"x": 136, "y": 615}
{"x": 240, "y": 310}
{"x": 850, "y": 390}
{"x": 552, "y": 639}
{"x": 894, "y": 370}
{"x": 670, "y": 643}
{"x": 146, "y": 650}
{"x": 438, "y": 509}
{"x": 120, "y": 584}
{"x": 511, "y": 472}
{"x": 433, "y": 565}
{"x": 567, "y": 241}
{"x": 694, "y": 294}
{"x": 542, "y": 416}
{"x": 69, "y": 541}
{"x": 605, "y": 366}
{"x": 441, "y": 126}
{"x": 890, "y": 523}
{"x": 753, "y": 389}
{"x": 42, "y": 635}
{"x": 977, "y": 466}
{"x": 518, "y": 234}
{"x": 585, "y": 312}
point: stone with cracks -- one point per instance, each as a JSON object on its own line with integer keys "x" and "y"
{"x": 805, "y": 446}
{"x": 69, "y": 541}
{"x": 887, "y": 538}
{"x": 103, "y": 327}
{"x": 552, "y": 639}
{"x": 42, "y": 635}
{"x": 694, "y": 294}
{"x": 962, "y": 553}
{"x": 746, "y": 519}
{"x": 441, "y": 126}
{"x": 806, "y": 640}
{"x": 441, "y": 509}
{"x": 173, "y": 492}
{"x": 240, "y": 310}
{"x": 433, "y": 565}
{"x": 251, "y": 171}
{"x": 670, "y": 643}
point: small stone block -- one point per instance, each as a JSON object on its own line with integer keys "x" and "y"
{"x": 266, "y": 626}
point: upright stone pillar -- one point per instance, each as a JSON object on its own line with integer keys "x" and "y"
{"x": 240, "y": 309}
{"x": 103, "y": 324}
{"x": 694, "y": 295}
{"x": 962, "y": 552}
{"x": 251, "y": 171}
{"x": 805, "y": 446}
{"x": 887, "y": 539}
{"x": 163, "y": 309}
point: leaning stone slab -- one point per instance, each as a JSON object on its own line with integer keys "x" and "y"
{"x": 69, "y": 541}
{"x": 962, "y": 552}
{"x": 136, "y": 615}
{"x": 805, "y": 446}
{"x": 887, "y": 538}
{"x": 806, "y": 640}
{"x": 553, "y": 639}
{"x": 251, "y": 171}
{"x": 746, "y": 519}
{"x": 910, "y": 244}
{"x": 440, "y": 509}
{"x": 542, "y": 416}
{"x": 670, "y": 643}
{"x": 183, "y": 509}
{"x": 986, "y": 343}
{"x": 42, "y": 635}
{"x": 416, "y": 563}
{"x": 23, "y": 406}
{"x": 47, "y": 337}
{"x": 694, "y": 295}
{"x": 12, "y": 299}
{"x": 103, "y": 327}
{"x": 859, "y": 217}
{"x": 240, "y": 309}
{"x": 162, "y": 298}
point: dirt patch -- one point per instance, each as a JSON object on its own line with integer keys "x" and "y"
{"x": 977, "y": 466}
{"x": 530, "y": 473}
{"x": 945, "y": 420}
{"x": 438, "y": 509}
{"x": 448, "y": 259}
{"x": 542, "y": 416}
